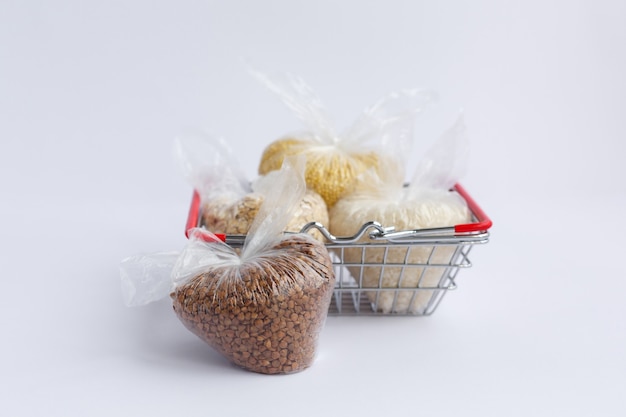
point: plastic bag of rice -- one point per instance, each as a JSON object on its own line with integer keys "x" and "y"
{"x": 426, "y": 202}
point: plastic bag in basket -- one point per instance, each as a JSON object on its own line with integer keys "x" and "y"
{"x": 230, "y": 202}
{"x": 263, "y": 309}
{"x": 426, "y": 202}
{"x": 378, "y": 139}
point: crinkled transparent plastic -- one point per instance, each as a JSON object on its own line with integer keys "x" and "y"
{"x": 378, "y": 138}
{"x": 426, "y": 202}
{"x": 264, "y": 308}
{"x": 229, "y": 201}
{"x": 209, "y": 166}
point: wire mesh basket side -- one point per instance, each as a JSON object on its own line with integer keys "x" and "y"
{"x": 394, "y": 279}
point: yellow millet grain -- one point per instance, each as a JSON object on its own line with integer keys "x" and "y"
{"x": 275, "y": 152}
{"x": 329, "y": 171}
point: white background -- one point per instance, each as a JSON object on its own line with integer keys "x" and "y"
{"x": 92, "y": 95}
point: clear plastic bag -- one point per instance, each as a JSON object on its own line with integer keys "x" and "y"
{"x": 378, "y": 139}
{"x": 426, "y": 202}
{"x": 229, "y": 201}
{"x": 208, "y": 164}
{"x": 264, "y": 308}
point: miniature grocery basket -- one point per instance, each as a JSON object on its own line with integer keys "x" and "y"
{"x": 383, "y": 271}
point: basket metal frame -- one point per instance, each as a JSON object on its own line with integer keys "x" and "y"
{"x": 352, "y": 298}
{"x": 349, "y": 296}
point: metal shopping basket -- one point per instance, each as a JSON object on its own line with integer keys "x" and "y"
{"x": 383, "y": 271}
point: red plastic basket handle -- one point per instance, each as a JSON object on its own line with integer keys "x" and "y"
{"x": 483, "y": 223}
{"x": 194, "y": 213}
{"x": 192, "y": 218}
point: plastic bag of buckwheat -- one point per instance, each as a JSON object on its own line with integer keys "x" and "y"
{"x": 263, "y": 308}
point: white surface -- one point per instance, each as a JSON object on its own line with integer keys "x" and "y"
{"x": 91, "y": 97}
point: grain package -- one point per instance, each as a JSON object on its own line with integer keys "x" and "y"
{"x": 425, "y": 203}
{"x": 263, "y": 311}
{"x": 263, "y": 308}
{"x": 377, "y": 139}
{"x": 229, "y": 202}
